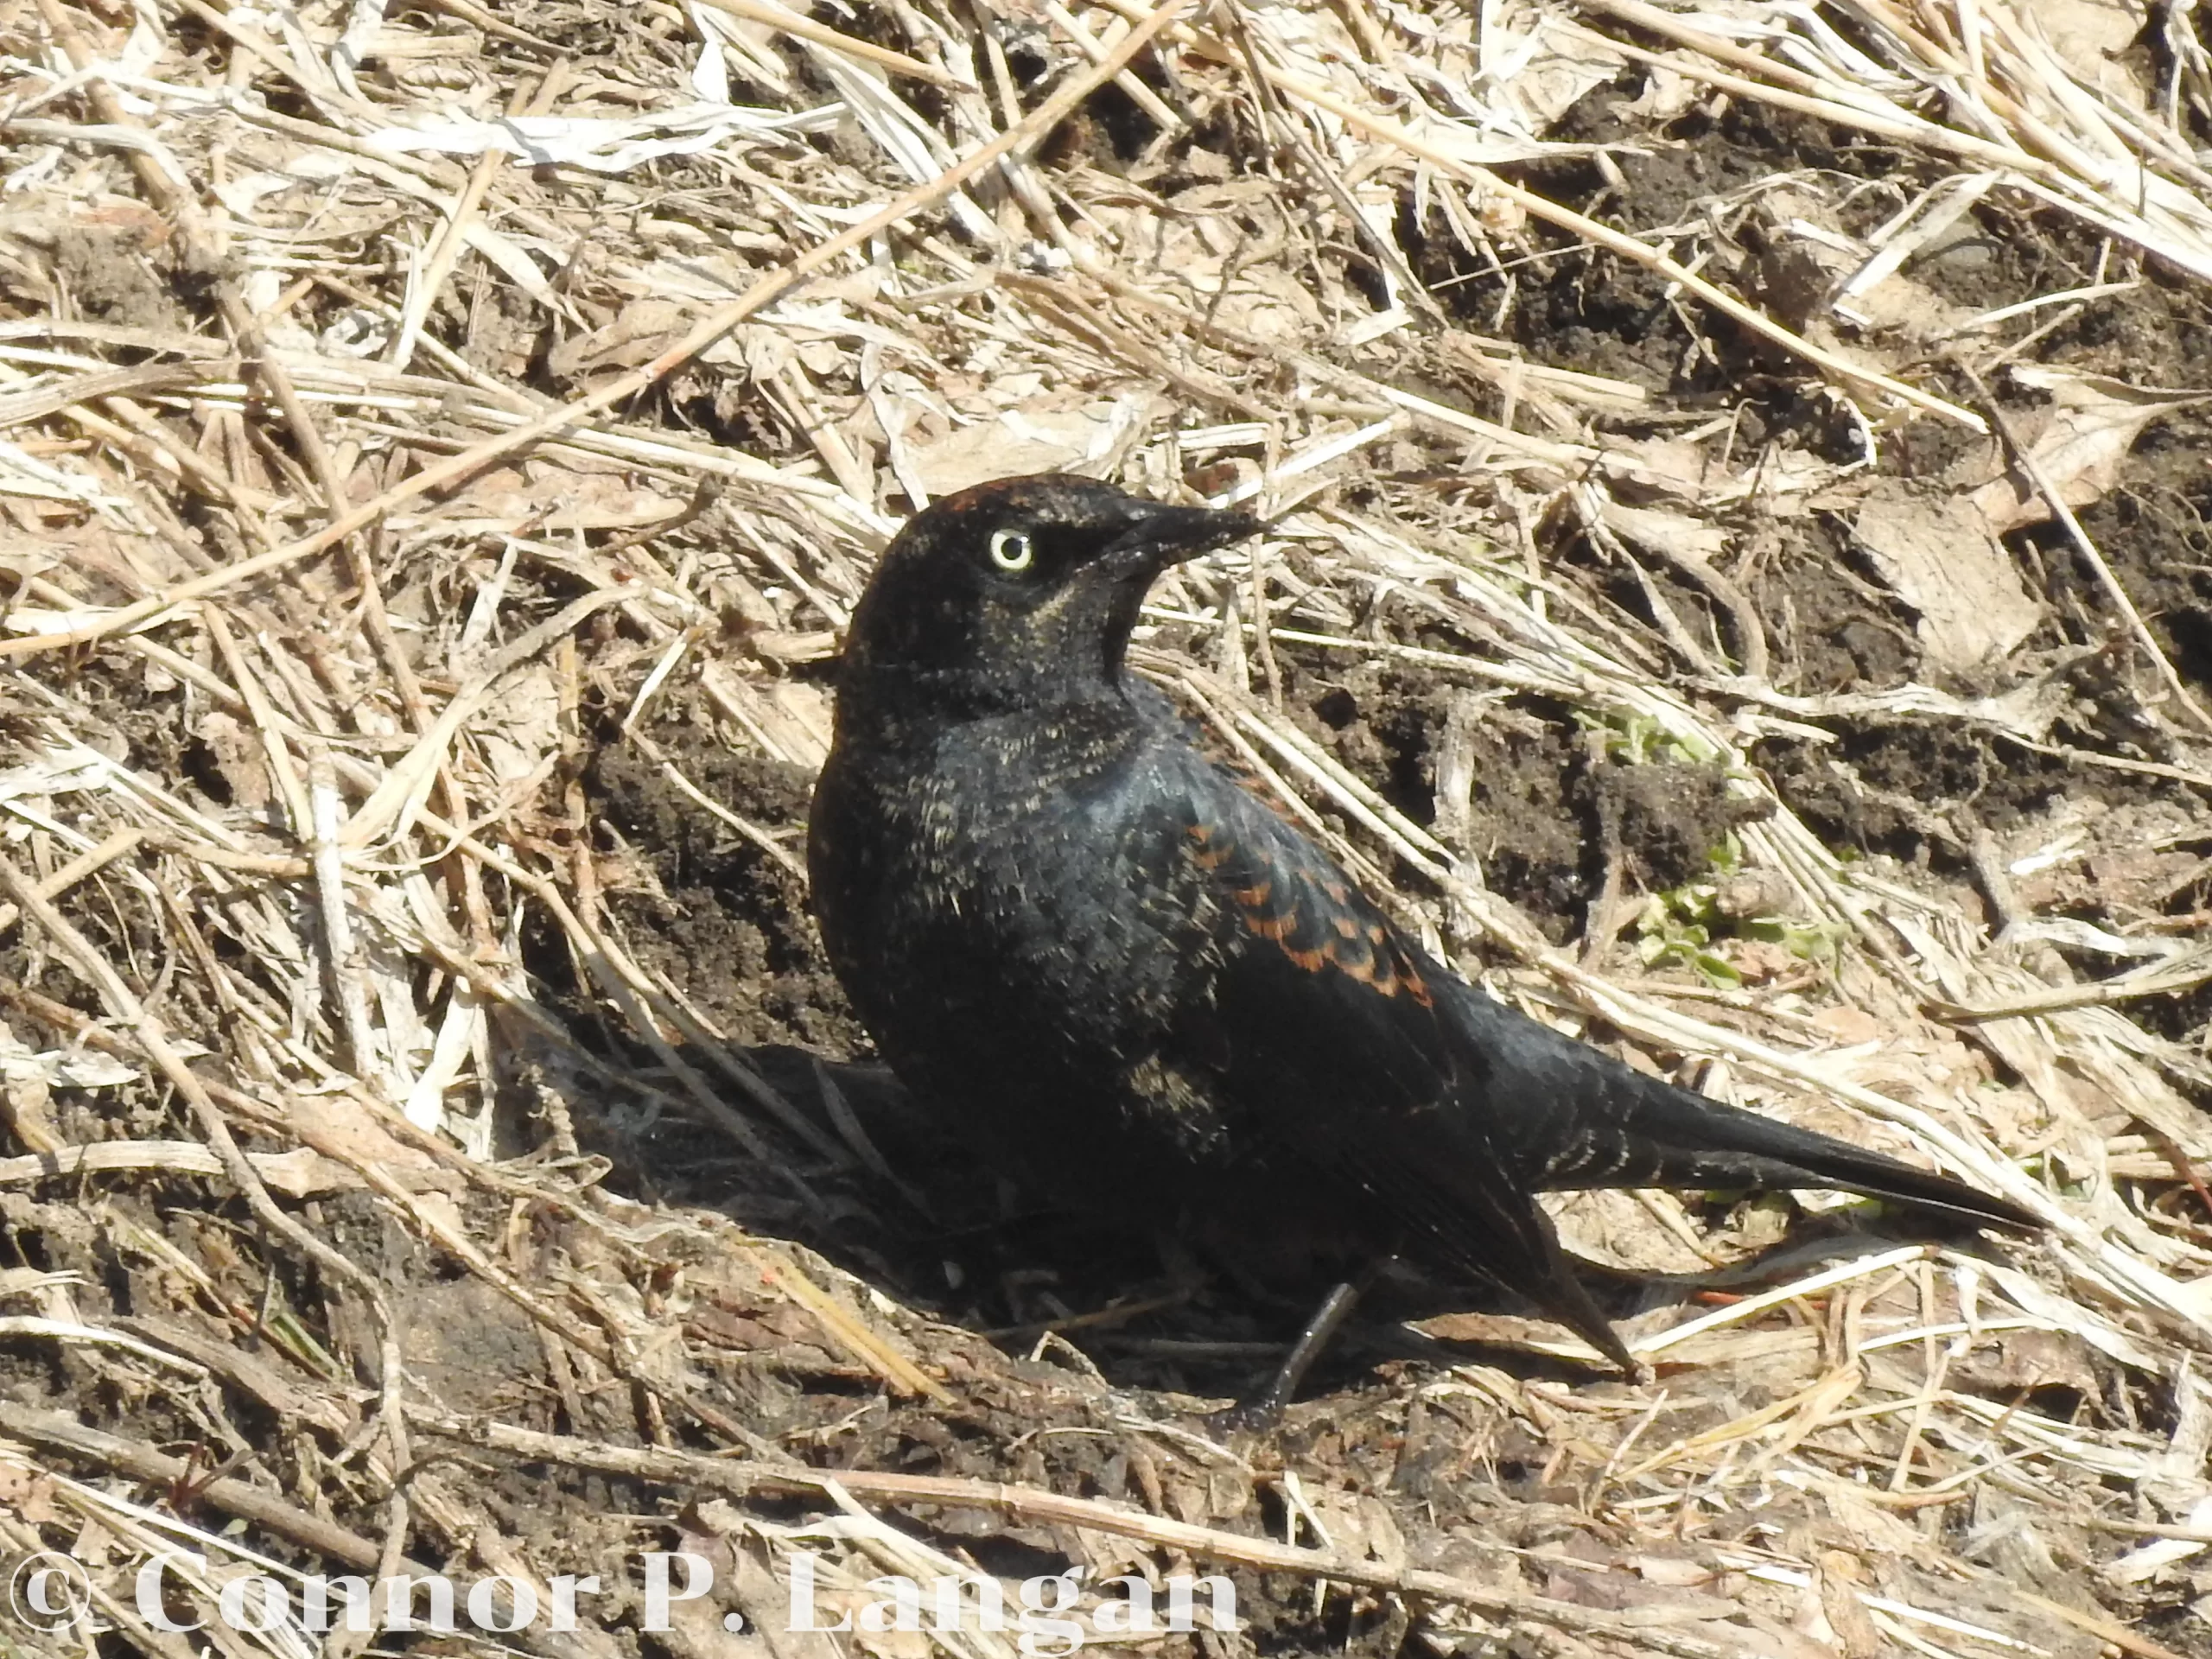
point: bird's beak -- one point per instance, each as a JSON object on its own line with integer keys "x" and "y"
{"x": 1160, "y": 535}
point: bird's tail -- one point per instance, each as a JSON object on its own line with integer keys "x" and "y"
{"x": 1671, "y": 1137}
{"x": 1598, "y": 1123}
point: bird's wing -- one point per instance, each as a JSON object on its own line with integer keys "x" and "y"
{"x": 1335, "y": 1042}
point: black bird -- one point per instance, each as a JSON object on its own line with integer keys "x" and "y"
{"x": 1074, "y": 934}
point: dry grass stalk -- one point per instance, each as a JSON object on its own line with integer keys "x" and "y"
{"x": 381, "y": 403}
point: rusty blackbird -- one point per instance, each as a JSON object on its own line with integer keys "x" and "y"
{"x": 1120, "y": 971}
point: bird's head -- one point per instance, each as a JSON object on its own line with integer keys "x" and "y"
{"x": 1020, "y": 592}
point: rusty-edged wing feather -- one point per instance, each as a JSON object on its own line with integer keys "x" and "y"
{"x": 1342, "y": 1055}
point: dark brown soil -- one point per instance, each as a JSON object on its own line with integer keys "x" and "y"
{"x": 713, "y": 910}
{"x": 1901, "y": 788}
{"x": 2156, "y": 534}
{"x": 114, "y": 276}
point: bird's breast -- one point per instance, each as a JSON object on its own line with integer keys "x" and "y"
{"x": 1001, "y": 878}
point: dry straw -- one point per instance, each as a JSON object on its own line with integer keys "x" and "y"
{"x": 351, "y": 384}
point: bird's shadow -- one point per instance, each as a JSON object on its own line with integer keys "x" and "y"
{"x": 908, "y": 1207}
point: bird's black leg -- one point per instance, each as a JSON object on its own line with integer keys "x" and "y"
{"x": 1312, "y": 1342}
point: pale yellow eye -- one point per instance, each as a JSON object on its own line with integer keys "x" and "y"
{"x": 1011, "y": 551}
